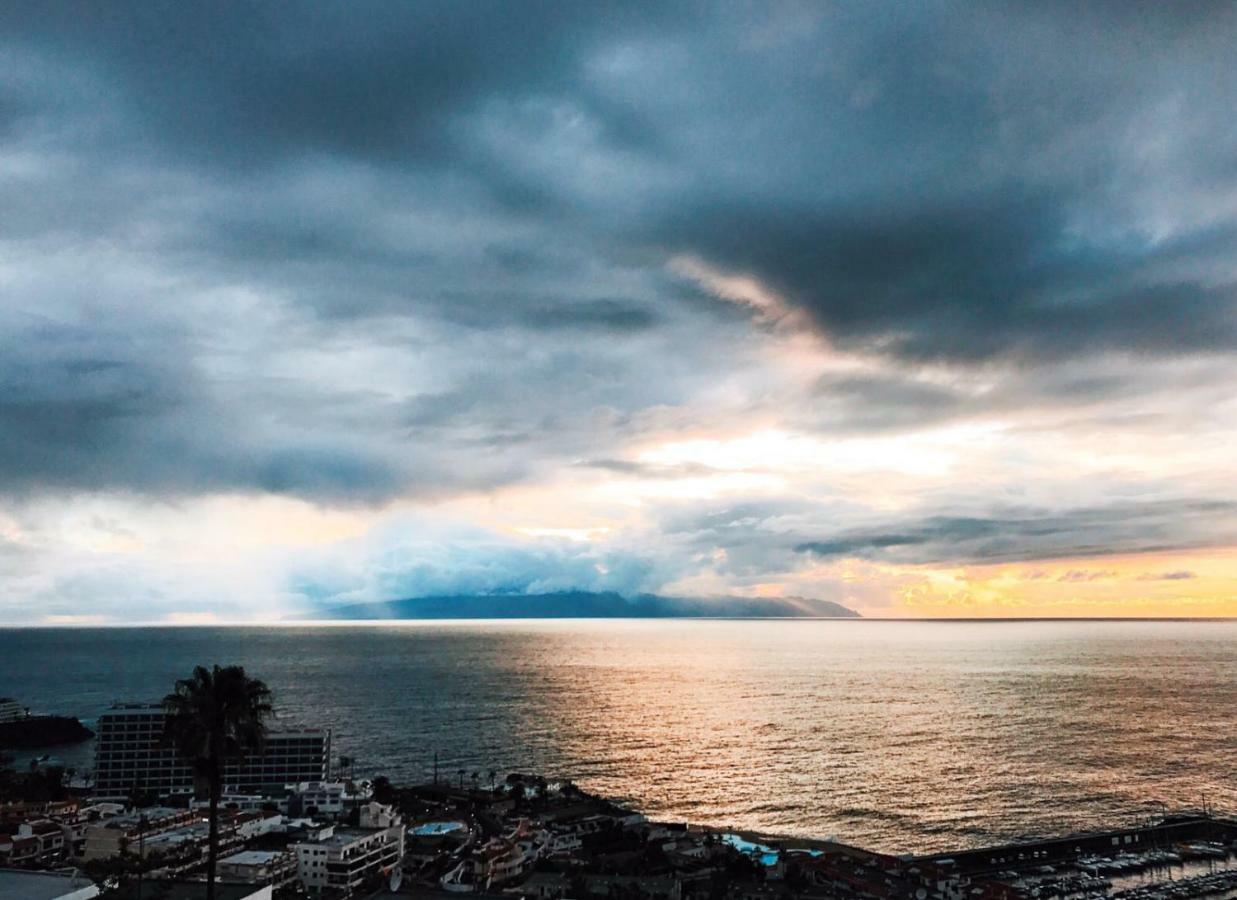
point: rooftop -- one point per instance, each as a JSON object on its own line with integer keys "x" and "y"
{"x": 149, "y": 819}
{"x": 251, "y": 857}
{"x": 345, "y": 836}
{"x": 135, "y": 708}
{"x": 196, "y": 890}
{"x": 156, "y": 709}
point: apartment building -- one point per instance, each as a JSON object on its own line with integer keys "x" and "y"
{"x": 11, "y": 710}
{"x": 106, "y": 838}
{"x": 345, "y": 858}
{"x": 273, "y": 867}
{"x": 130, "y": 755}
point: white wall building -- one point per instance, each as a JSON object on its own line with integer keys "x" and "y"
{"x": 273, "y": 867}
{"x": 324, "y": 798}
{"x": 344, "y": 859}
{"x": 11, "y": 710}
{"x": 377, "y": 815}
{"x": 251, "y": 824}
{"x": 106, "y": 838}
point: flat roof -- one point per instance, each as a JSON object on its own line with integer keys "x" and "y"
{"x": 152, "y": 815}
{"x": 156, "y": 709}
{"x": 196, "y": 890}
{"x": 40, "y": 885}
{"x": 252, "y": 857}
{"x": 344, "y": 836}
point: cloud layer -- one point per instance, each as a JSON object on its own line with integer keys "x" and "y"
{"x": 708, "y": 298}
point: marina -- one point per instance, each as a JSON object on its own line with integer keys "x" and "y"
{"x": 1182, "y": 856}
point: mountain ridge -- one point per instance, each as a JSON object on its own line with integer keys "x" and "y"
{"x": 590, "y": 605}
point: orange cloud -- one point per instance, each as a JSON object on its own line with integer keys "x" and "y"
{"x": 1190, "y": 584}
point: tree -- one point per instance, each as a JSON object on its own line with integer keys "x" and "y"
{"x": 214, "y": 716}
{"x": 36, "y": 784}
{"x": 383, "y": 791}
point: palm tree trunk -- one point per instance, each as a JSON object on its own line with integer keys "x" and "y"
{"x": 212, "y": 840}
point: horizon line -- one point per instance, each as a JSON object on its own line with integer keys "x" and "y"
{"x": 463, "y": 620}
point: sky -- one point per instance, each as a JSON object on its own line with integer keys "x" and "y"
{"x": 927, "y": 309}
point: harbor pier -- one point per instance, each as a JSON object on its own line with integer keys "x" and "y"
{"x": 1162, "y": 835}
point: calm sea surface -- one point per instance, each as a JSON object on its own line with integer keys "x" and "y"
{"x": 897, "y": 735}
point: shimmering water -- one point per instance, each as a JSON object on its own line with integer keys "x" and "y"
{"x": 897, "y": 735}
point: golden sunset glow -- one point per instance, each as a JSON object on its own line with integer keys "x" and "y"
{"x": 1154, "y": 585}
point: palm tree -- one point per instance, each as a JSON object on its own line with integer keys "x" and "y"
{"x": 215, "y": 716}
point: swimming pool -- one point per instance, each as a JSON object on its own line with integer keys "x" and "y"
{"x": 437, "y": 829}
{"x": 762, "y": 853}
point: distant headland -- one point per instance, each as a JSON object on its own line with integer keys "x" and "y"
{"x": 589, "y": 605}
{"x": 42, "y": 731}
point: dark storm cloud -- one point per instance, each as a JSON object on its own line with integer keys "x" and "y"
{"x": 599, "y": 316}
{"x": 83, "y": 407}
{"x": 991, "y": 277}
{"x": 315, "y": 162}
{"x": 1038, "y": 189}
{"x": 935, "y": 189}
{"x": 68, "y": 397}
{"x": 257, "y": 84}
{"x": 468, "y": 208}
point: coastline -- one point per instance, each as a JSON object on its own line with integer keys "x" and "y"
{"x": 508, "y": 620}
{"x": 40, "y": 732}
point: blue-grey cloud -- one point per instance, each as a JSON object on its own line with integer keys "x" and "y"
{"x": 426, "y": 561}
{"x": 353, "y": 256}
{"x": 1015, "y": 535}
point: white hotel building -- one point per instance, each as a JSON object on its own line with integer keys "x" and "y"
{"x": 130, "y": 755}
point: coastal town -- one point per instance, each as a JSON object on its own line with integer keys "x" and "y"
{"x": 618, "y": 449}
{"x": 294, "y": 822}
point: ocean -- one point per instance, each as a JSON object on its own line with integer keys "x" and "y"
{"x": 901, "y": 736}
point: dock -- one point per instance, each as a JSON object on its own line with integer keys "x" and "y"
{"x": 1160, "y": 835}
